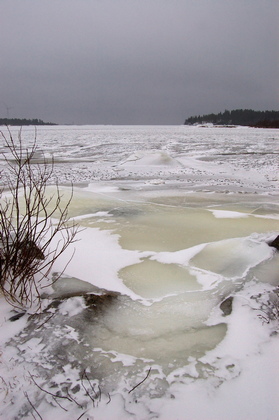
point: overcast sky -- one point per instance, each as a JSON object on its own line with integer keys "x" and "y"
{"x": 137, "y": 61}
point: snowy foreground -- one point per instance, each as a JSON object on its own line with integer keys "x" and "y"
{"x": 167, "y": 309}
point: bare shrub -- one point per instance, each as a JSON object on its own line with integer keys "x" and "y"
{"x": 34, "y": 226}
{"x": 270, "y": 308}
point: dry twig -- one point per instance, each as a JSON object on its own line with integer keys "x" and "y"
{"x": 149, "y": 370}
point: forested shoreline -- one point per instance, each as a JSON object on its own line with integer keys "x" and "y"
{"x": 246, "y": 117}
{"x": 23, "y": 121}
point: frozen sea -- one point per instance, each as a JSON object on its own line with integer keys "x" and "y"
{"x": 174, "y": 221}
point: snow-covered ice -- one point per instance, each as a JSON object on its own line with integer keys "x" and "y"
{"x": 175, "y": 220}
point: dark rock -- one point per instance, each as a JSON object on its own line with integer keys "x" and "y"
{"x": 75, "y": 389}
{"x": 226, "y": 306}
{"x": 275, "y": 243}
{"x": 96, "y": 300}
{"x": 16, "y": 316}
{"x": 98, "y": 304}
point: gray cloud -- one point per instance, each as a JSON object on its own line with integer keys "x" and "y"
{"x": 136, "y": 61}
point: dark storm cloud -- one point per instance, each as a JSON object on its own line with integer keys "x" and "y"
{"x": 136, "y": 61}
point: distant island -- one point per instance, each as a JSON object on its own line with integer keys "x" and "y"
{"x": 23, "y": 121}
{"x": 247, "y": 117}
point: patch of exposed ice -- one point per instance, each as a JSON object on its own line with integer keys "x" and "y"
{"x": 225, "y": 214}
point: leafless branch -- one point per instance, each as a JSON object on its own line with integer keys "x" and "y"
{"x": 34, "y": 226}
{"x": 81, "y": 415}
{"x": 109, "y": 400}
{"x": 48, "y": 392}
{"x": 32, "y": 405}
{"x": 149, "y": 370}
{"x": 86, "y": 390}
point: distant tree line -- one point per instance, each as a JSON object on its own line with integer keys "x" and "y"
{"x": 238, "y": 117}
{"x": 20, "y": 121}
